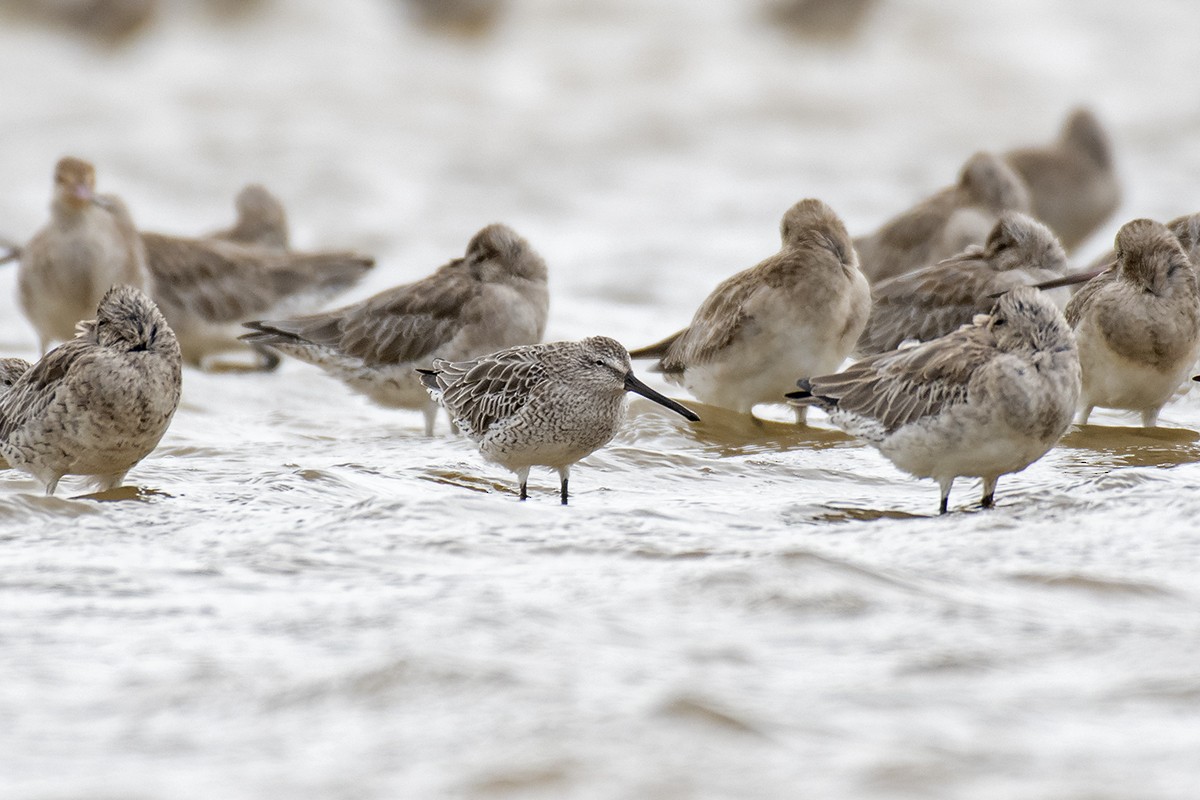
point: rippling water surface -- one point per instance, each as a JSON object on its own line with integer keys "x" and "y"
{"x": 308, "y": 598}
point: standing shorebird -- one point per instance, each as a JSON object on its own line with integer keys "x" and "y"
{"x": 69, "y": 264}
{"x": 204, "y": 287}
{"x": 1072, "y": 184}
{"x": 931, "y": 302}
{"x": 946, "y": 222}
{"x": 261, "y": 220}
{"x": 493, "y": 297}
{"x": 983, "y": 401}
{"x": 98, "y": 404}
{"x": 543, "y": 404}
{"x": 1137, "y": 323}
{"x": 799, "y": 312}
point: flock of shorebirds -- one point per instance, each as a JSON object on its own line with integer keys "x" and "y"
{"x": 975, "y": 357}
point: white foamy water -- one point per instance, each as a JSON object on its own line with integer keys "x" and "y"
{"x": 322, "y": 603}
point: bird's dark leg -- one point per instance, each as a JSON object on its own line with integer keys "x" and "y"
{"x": 524, "y": 491}
{"x": 563, "y": 490}
{"x": 945, "y": 483}
{"x": 268, "y": 359}
{"x": 989, "y": 493}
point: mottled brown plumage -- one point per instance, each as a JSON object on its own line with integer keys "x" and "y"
{"x": 541, "y": 405}
{"x": 946, "y": 222}
{"x": 98, "y": 404}
{"x": 493, "y": 297}
{"x": 931, "y": 302}
{"x": 10, "y": 370}
{"x": 986, "y": 400}
{"x": 1073, "y": 186}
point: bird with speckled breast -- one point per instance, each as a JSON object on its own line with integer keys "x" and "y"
{"x": 541, "y": 405}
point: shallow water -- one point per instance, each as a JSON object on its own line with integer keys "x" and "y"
{"x": 307, "y": 598}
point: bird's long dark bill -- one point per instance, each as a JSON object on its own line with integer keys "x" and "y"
{"x": 1069, "y": 280}
{"x": 632, "y": 384}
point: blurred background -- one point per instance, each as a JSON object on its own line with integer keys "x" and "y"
{"x": 328, "y": 605}
{"x": 659, "y": 140}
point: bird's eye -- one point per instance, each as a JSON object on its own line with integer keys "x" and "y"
{"x": 998, "y": 321}
{"x": 599, "y": 362}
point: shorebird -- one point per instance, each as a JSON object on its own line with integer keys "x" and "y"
{"x": 261, "y": 220}
{"x": 205, "y": 287}
{"x": 493, "y": 297}
{"x": 836, "y": 20}
{"x": 946, "y": 222}
{"x": 10, "y": 370}
{"x": 1072, "y": 184}
{"x": 798, "y": 312}
{"x": 98, "y": 404}
{"x": 984, "y": 401}
{"x": 543, "y": 404}
{"x": 68, "y": 265}
{"x": 931, "y": 302}
{"x": 462, "y": 17}
{"x": 1137, "y": 323}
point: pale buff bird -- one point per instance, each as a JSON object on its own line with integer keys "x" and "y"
{"x": 542, "y": 404}
{"x": 493, "y": 297}
{"x": 987, "y": 400}
{"x": 98, "y": 404}
{"x": 84, "y": 250}
{"x": 261, "y": 220}
{"x": 1073, "y": 185}
{"x": 945, "y": 223}
{"x": 1138, "y": 323}
{"x": 798, "y": 312}
{"x": 931, "y": 302}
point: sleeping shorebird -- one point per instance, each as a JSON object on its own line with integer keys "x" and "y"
{"x": 945, "y": 223}
{"x": 493, "y": 297}
{"x": 984, "y": 401}
{"x": 798, "y": 312}
{"x": 543, "y": 404}
{"x": 931, "y": 302}
{"x": 1137, "y": 323}
{"x": 98, "y": 404}
{"x": 1072, "y": 184}
{"x": 68, "y": 265}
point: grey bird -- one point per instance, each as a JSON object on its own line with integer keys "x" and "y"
{"x": 945, "y": 223}
{"x": 1073, "y": 185}
{"x": 1138, "y": 323}
{"x": 798, "y": 312}
{"x": 931, "y": 302}
{"x": 261, "y": 220}
{"x": 10, "y": 370}
{"x": 987, "y": 400}
{"x": 98, "y": 404}
{"x": 208, "y": 287}
{"x": 541, "y": 405}
{"x": 493, "y": 297}
{"x": 83, "y": 251}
